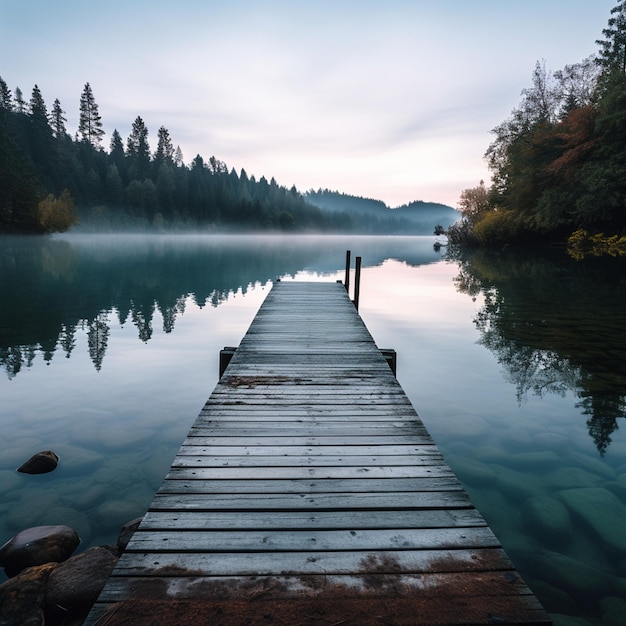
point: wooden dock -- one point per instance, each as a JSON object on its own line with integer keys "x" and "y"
{"x": 308, "y": 491}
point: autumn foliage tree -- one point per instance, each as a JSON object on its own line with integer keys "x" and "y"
{"x": 55, "y": 214}
{"x": 558, "y": 161}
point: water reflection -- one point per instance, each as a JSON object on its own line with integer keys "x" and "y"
{"x": 555, "y": 325}
{"x": 54, "y": 288}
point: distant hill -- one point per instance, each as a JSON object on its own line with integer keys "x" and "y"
{"x": 420, "y": 211}
{"x": 419, "y": 218}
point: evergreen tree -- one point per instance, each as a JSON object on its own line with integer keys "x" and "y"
{"x": 58, "y": 120}
{"x": 6, "y": 100}
{"x": 41, "y": 143}
{"x": 37, "y": 106}
{"x": 137, "y": 144}
{"x": 612, "y": 55}
{"x": 165, "y": 148}
{"x": 117, "y": 153}
{"x": 20, "y": 104}
{"x": 90, "y": 122}
{"x": 117, "y": 145}
{"x": 217, "y": 167}
{"x": 138, "y": 149}
{"x": 19, "y": 184}
{"x": 178, "y": 157}
{"x": 114, "y": 187}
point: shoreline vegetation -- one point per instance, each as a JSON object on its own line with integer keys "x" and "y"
{"x": 51, "y": 182}
{"x": 557, "y": 162}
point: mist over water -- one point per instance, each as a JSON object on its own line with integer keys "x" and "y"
{"x": 109, "y": 348}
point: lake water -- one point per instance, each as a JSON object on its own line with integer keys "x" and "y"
{"x": 516, "y": 364}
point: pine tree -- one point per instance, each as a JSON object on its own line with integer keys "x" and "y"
{"x": 117, "y": 145}
{"x": 137, "y": 144}
{"x": 612, "y": 53}
{"x": 37, "y": 106}
{"x": 138, "y": 149}
{"x": 165, "y": 147}
{"x": 90, "y": 122}
{"x": 117, "y": 155}
{"x": 20, "y": 104}
{"x": 40, "y": 138}
{"x": 178, "y": 157}
{"x": 58, "y": 120}
{"x": 6, "y": 100}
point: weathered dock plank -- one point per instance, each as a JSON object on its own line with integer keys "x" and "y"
{"x": 309, "y": 478}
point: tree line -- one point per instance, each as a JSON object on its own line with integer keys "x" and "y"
{"x": 558, "y": 161}
{"x": 51, "y": 181}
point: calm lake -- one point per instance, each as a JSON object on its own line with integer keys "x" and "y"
{"x": 515, "y": 362}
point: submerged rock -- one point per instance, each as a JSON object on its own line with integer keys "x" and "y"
{"x": 518, "y": 485}
{"x": 592, "y": 464}
{"x": 40, "y": 463}
{"x": 601, "y": 511}
{"x": 570, "y": 477}
{"x": 554, "y": 600}
{"x": 613, "y": 611}
{"x": 36, "y": 546}
{"x": 579, "y": 580}
{"x": 548, "y": 518}
{"x": 474, "y": 472}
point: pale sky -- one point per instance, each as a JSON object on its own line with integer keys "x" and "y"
{"x": 392, "y": 100}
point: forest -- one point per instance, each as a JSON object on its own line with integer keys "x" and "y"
{"x": 51, "y": 182}
{"x": 558, "y": 161}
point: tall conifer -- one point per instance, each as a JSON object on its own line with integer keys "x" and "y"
{"x": 58, "y": 120}
{"x": 90, "y": 122}
{"x": 165, "y": 147}
{"x": 37, "y": 106}
{"x": 20, "y": 104}
{"x": 612, "y": 53}
{"x": 6, "y": 100}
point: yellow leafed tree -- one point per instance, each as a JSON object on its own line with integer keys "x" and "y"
{"x": 56, "y": 215}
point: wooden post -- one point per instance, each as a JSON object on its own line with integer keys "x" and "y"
{"x": 391, "y": 357}
{"x": 226, "y": 354}
{"x": 357, "y": 282}
{"x": 346, "y": 282}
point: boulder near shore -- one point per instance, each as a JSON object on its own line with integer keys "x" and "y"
{"x": 48, "y": 586}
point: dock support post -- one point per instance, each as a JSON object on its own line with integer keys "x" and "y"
{"x": 346, "y": 281}
{"x": 226, "y": 354}
{"x": 357, "y": 282}
{"x": 391, "y": 357}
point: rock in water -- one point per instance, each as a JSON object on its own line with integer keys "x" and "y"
{"x": 22, "y": 597}
{"x": 40, "y": 463}
{"x": 127, "y": 532}
{"x": 36, "y": 546}
{"x": 75, "y": 584}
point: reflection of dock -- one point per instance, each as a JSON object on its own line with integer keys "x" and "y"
{"x": 309, "y": 492}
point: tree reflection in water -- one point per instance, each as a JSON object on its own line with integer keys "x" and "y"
{"x": 52, "y": 288}
{"x": 555, "y": 325}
